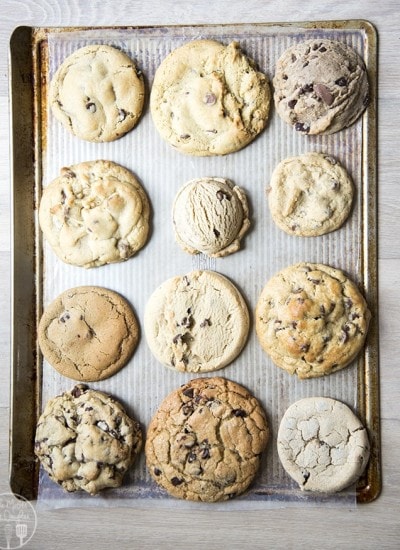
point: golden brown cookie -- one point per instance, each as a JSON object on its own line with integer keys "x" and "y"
{"x": 311, "y": 319}
{"x": 206, "y": 439}
{"x": 88, "y": 333}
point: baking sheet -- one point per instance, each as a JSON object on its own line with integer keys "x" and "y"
{"x": 143, "y": 383}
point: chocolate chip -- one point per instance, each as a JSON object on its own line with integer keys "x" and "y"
{"x": 205, "y": 323}
{"x": 177, "y": 339}
{"x": 187, "y": 409}
{"x": 342, "y": 81}
{"x": 324, "y": 93}
{"x": 335, "y": 185}
{"x": 239, "y": 413}
{"x": 184, "y": 136}
{"x": 348, "y": 302}
{"x": 91, "y": 107}
{"x": 157, "y": 472}
{"x": 188, "y": 392}
{"x": 305, "y": 347}
{"x": 205, "y": 453}
{"x": 176, "y": 481}
{"x": 221, "y": 195}
{"x": 322, "y": 309}
{"x": 191, "y": 457}
{"x": 345, "y": 334}
{"x": 322, "y": 49}
{"x": 302, "y": 127}
{"x": 294, "y": 324}
{"x": 210, "y": 98}
{"x": 216, "y": 232}
{"x": 121, "y": 115}
{"x": 77, "y": 391}
{"x": 292, "y": 103}
{"x": 306, "y": 475}
{"x": 65, "y": 317}
{"x": 284, "y": 77}
{"x": 305, "y": 64}
{"x": 294, "y": 58}
{"x": 306, "y": 89}
{"x": 103, "y": 425}
{"x": 186, "y": 322}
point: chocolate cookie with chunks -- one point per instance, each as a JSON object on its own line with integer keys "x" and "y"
{"x": 320, "y": 86}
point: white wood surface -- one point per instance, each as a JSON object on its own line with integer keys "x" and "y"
{"x": 371, "y": 526}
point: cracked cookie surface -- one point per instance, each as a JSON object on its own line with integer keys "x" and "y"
{"x": 88, "y": 333}
{"x": 322, "y": 444}
{"x": 320, "y": 86}
{"x": 97, "y": 93}
{"x": 86, "y": 441}
{"x": 210, "y": 215}
{"x": 205, "y": 440}
{"x": 198, "y": 322}
{"x": 311, "y": 319}
{"x": 95, "y": 213}
{"x": 209, "y": 99}
{"x": 310, "y": 195}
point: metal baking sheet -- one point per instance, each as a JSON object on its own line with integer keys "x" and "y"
{"x": 41, "y": 146}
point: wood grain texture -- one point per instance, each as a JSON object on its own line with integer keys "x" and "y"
{"x": 370, "y": 526}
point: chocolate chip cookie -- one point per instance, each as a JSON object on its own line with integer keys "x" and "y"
{"x": 198, "y": 322}
{"x": 97, "y": 93}
{"x": 86, "y": 441}
{"x": 88, "y": 333}
{"x": 95, "y": 213}
{"x": 322, "y": 445}
{"x": 210, "y": 215}
{"x": 320, "y": 86}
{"x": 206, "y": 439}
{"x": 310, "y": 195}
{"x": 311, "y": 319}
{"x": 209, "y": 99}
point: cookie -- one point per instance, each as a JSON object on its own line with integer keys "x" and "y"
{"x": 320, "y": 86}
{"x": 210, "y": 215}
{"x": 95, "y": 213}
{"x": 322, "y": 444}
{"x": 86, "y": 441}
{"x": 310, "y": 195}
{"x": 209, "y": 99}
{"x": 88, "y": 333}
{"x": 97, "y": 93}
{"x": 205, "y": 440}
{"x": 198, "y": 322}
{"x": 311, "y": 319}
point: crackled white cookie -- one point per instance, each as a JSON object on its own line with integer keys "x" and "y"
{"x": 205, "y": 441}
{"x": 311, "y": 319}
{"x": 86, "y": 441}
{"x": 320, "y": 86}
{"x": 95, "y": 213}
{"x": 209, "y": 99}
{"x": 97, "y": 93}
{"x": 88, "y": 333}
{"x": 322, "y": 444}
{"x": 210, "y": 215}
{"x": 310, "y": 195}
{"x": 197, "y": 322}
